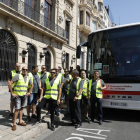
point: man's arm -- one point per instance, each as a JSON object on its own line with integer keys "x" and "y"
{"x": 79, "y": 93}
{"x": 41, "y": 93}
{"x": 59, "y": 95}
{"x": 11, "y": 89}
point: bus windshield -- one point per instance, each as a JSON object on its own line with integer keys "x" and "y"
{"x": 116, "y": 52}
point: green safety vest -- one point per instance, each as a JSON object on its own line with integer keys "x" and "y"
{"x": 51, "y": 92}
{"x": 21, "y": 87}
{"x": 59, "y": 77}
{"x": 69, "y": 76}
{"x": 14, "y": 74}
{"x": 77, "y": 87}
{"x": 84, "y": 91}
{"x": 47, "y": 73}
{"x": 99, "y": 93}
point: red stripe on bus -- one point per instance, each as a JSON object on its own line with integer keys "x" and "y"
{"x": 122, "y": 92}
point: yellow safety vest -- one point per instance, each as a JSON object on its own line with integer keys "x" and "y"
{"x": 77, "y": 88}
{"x": 99, "y": 93}
{"x": 21, "y": 87}
{"x": 51, "y": 92}
{"x": 59, "y": 77}
{"x": 84, "y": 91}
{"x": 13, "y": 74}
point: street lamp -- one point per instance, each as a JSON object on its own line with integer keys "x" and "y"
{"x": 73, "y": 58}
{"x": 44, "y": 52}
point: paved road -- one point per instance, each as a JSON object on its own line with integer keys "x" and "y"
{"x": 117, "y": 125}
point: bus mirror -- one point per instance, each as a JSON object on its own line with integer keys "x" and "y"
{"x": 78, "y": 51}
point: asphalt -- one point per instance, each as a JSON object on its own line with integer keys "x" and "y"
{"x": 22, "y": 132}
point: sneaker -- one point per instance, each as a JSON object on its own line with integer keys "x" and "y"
{"x": 100, "y": 122}
{"x": 52, "y": 127}
{"x": 87, "y": 118}
{"x": 48, "y": 113}
{"x": 28, "y": 119}
{"x": 11, "y": 116}
{"x": 34, "y": 116}
{"x": 68, "y": 110}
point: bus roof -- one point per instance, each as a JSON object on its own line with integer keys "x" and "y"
{"x": 116, "y": 27}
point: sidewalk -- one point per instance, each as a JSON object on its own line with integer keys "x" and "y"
{"x": 22, "y": 132}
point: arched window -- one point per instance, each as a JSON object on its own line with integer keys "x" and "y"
{"x": 48, "y": 61}
{"x": 31, "y": 57}
{"x": 7, "y": 55}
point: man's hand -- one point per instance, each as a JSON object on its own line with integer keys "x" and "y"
{"x": 28, "y": 94}
{"x": 58, "y": 101}
{"x": 75, "y": 98}
{"x": 14, "y": 95}
{"x": 100, "y": 88}
{"x": 39, "y": 100}
{"x": 88, "y": 97}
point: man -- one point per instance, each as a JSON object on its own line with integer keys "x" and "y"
{"x": 74, "y": 95}
{"x": 71, "y": 69}
{"x": 32, "y": 100}
{"x": 64, "y": 89}
{"x": 59, "y": 69}
{"x": 84, "y": 93}
{"x": 52, "y": 96}
{"x": 12, "y": 74}
{"x": 19, "y": 92}
{"x": 94, "y": 90}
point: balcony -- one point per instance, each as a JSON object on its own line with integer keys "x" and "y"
{"x": 27, "y": 11}
{"x": 85, "y": 28}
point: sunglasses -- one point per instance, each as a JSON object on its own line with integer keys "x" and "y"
{"x": 43, "y": 68}
{"x": 66, "y": 71}
{"x": 53, "y": 72}
{"x": 25, "y": 69}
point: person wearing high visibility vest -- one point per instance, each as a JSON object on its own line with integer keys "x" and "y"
{"x": 52, "y": 88}
{"x": 84, "y": 93}
{"x": 12, "y": 74}
{"x": 64, "y": 89}
{"x": 94, "y": 91}
{"x": 74, "y": 95}
{"x": 19, "y": 92}
{"x": 32, "y": 99}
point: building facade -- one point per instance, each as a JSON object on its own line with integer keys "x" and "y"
{"x": 29, "y": 28}
{"x": 92, "y": 16}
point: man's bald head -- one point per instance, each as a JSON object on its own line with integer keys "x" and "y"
{"x": 17, "y": 67}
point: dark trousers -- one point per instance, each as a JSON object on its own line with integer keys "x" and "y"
{"x": 93, "y": 100}
{"x": 52, "y": 104}
{"x": 75, "y": 111}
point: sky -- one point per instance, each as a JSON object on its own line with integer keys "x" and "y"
{"x": 124, "y": 11}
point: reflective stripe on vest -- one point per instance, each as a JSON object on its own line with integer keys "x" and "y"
{"x": 51, "y": 92}
{"x": 84, "y": 91}
{"x": 14, "y": 74}
{"x": 77, "y": 87}
{"x": 21, "y": 87}
{"x": 98, "y": 92}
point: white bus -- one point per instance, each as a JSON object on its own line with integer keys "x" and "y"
{"x": 115, "y": 53}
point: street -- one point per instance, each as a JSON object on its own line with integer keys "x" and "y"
{"x": 117, "y": 125}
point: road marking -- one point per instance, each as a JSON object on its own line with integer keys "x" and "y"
{"x": 0, "y": 137}
{"x": 74, "y": 138}
{"x": 87, "y": 136}
{"x": 98, "y": 131}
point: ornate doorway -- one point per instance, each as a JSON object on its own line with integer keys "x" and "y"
{"x": 7, "y": 55}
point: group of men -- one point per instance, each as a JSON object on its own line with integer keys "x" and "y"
{"x": 53, "y": 88}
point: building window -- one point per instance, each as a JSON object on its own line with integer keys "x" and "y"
{"x": 67, "y": 28}
{"x": 87, "y": 19}
{"x": 67, "y": 60}
{"x": 100, "y": 6}
{"x": 94, "y": 26}
{"x": 31, "y": 3}
{"x": 48, "y": 9}
{"x": 81, "y": 17}
{"x": 48, "y": 61}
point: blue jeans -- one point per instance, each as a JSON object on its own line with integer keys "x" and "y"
{"x": 32, "y": 99}
{"x": 93, "y": 100}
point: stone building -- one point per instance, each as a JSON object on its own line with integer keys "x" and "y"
{"x": 29, "y": 28}
{"x": 92, "y": 16}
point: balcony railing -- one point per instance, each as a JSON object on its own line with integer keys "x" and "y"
{"x": 29, "y": 12}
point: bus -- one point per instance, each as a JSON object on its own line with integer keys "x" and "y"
{"x": 115, "y": 53}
